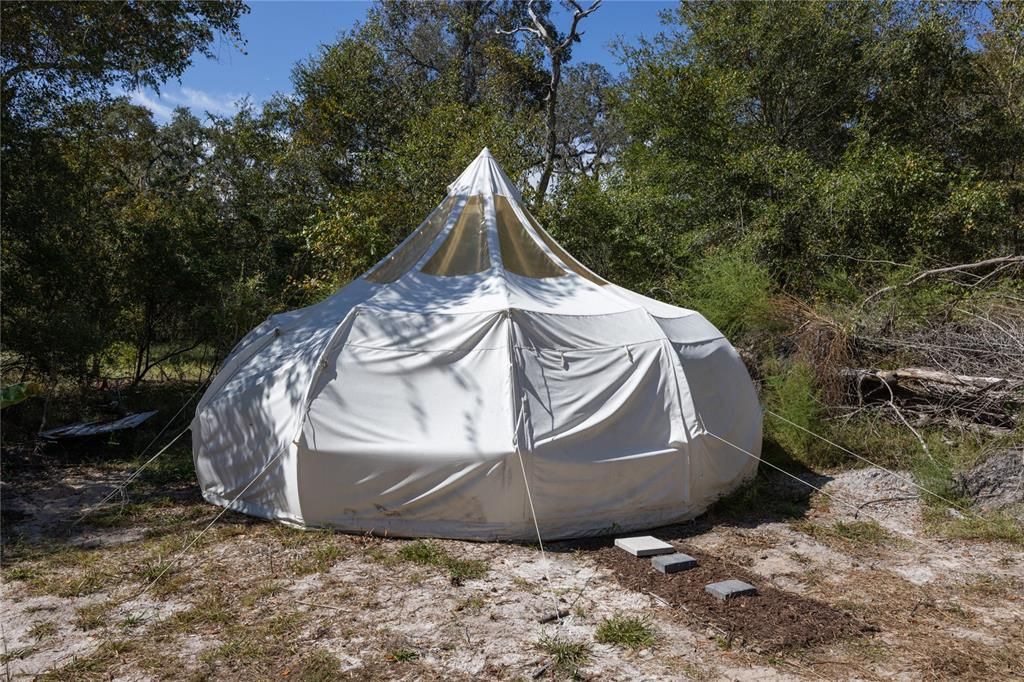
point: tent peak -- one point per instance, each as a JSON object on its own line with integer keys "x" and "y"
{"x": 484, "y": 176}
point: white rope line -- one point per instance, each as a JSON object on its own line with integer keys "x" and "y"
{"x": 521, "y": 412}
{"x": 780, "y": 469}
{"x": 857, "y": 510}
{"x": 526, "y": 482}
{"x": 130, "y": 478}
{"x": 536, "y": 527}
{"x": 176, "y": 415}
{"x": 533, "y": 512}
{"x": 135, "y": 474}
{"x": 216, "y": 518}
{"x": 909, "y": 481}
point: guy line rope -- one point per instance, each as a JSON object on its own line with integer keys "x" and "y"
{"x": 529, "y": 494}
{"x": 909, "y": 481}
{"x": 816, "y": 488}
{"x": 135, "y": 474}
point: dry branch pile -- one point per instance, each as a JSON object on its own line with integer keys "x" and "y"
{"x": 961, "y": 365}
{"x": 932, "y": 397}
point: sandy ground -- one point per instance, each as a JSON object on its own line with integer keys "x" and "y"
{"x": 255, "y": 600}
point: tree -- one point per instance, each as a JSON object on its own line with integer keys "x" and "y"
{"x": 56, "y": 51}
{"x": 89, "y": 184}
{"x": 558, "y": 48}
{"x": 436, "y": 39}
{"x": 589, "y": 138}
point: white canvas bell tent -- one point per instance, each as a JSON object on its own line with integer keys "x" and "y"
{"x": 477, "y": 379}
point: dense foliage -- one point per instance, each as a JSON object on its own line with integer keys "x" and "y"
{"x": 751, "y": 148}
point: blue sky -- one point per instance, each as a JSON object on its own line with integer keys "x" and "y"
{"x": 281, "y": 33}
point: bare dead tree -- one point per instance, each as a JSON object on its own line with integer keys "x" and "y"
{"x": 557, "y": 49}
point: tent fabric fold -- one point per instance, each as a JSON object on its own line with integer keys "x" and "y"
{"x": 403, "y": 403}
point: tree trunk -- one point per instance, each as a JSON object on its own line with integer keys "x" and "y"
{"x": 551, "y": 141}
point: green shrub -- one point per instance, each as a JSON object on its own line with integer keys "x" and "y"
{"x": 732, "y": 291}
{"x": 790, "y": 391}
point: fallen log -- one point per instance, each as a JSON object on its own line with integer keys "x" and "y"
{"x": 917, "y": 374}
{"x": 936, "y": 397}
{"x": 925, "y": 381}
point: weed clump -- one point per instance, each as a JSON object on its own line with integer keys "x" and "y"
{"x": 861, "y": 534}
{"x": 790, "y": 391}
{"x": 733, "y": 292}
{"x": 428, "y": 553}
{"x": 627, "y": 631}
{"x": 568, "y": 655}
{"x": 320, "y": 666}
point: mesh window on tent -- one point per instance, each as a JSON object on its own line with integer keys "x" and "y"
{"x": 464, "y": 251}
{"x": 520, "y": 254}
{"x": 406, "y": 255}
{"x": 561, "y": 253}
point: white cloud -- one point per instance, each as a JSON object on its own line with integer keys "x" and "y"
{"x": 222, "y": 104}
{"x": 199, "y": 102}
{"x": 161, "y": 111}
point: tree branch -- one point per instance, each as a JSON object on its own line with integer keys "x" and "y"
{"x": 525, "y": 29}
{"x": 965, "y": 267}
{"x": 577, "y": 16}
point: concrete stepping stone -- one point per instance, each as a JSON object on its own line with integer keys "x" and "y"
{"x": 644, "y": 545}
{"x": 728, "y": 589}
{"x": 673, "y": 563}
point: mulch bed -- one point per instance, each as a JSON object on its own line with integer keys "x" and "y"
{"x": 773, "y": 619}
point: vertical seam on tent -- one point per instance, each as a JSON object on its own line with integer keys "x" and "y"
{"x": 520, "y": 412}
{"x": 498, "y": 268}
{"x": 497, "y": 265}
{"x": 519, "y": 453}
{"x": 673, "y": 358}
{"x": 319, "y": 368}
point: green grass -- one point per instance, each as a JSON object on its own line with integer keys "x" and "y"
{"x": 472, "y": 604}
{"x": 20, "y": 573}
{"x": 953, "y": 516}
{"x": 319, "y": 666}
{"x": 19, "y": 653}
{"x": 860, "y": 534}
{"x": 990, "y": 527}
{"x": 44, "y": 629}
{"x": 427, "y": 553}
{"x": 947, "y": 512}
{"x": 156, "y": 568}
{"x": 318, "y": 560}
{"x": 626, "y": 631}
{"x": 211, "y": 609}
{"x": 403, "y": 655}
{"x": 91, "y": 616}
{"x": 568, "y": 655}
{"x": 92, "y": 666}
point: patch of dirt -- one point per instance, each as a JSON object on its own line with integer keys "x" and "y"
{"x": 256, "y": 600}
{"x": 773, "y": 619}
